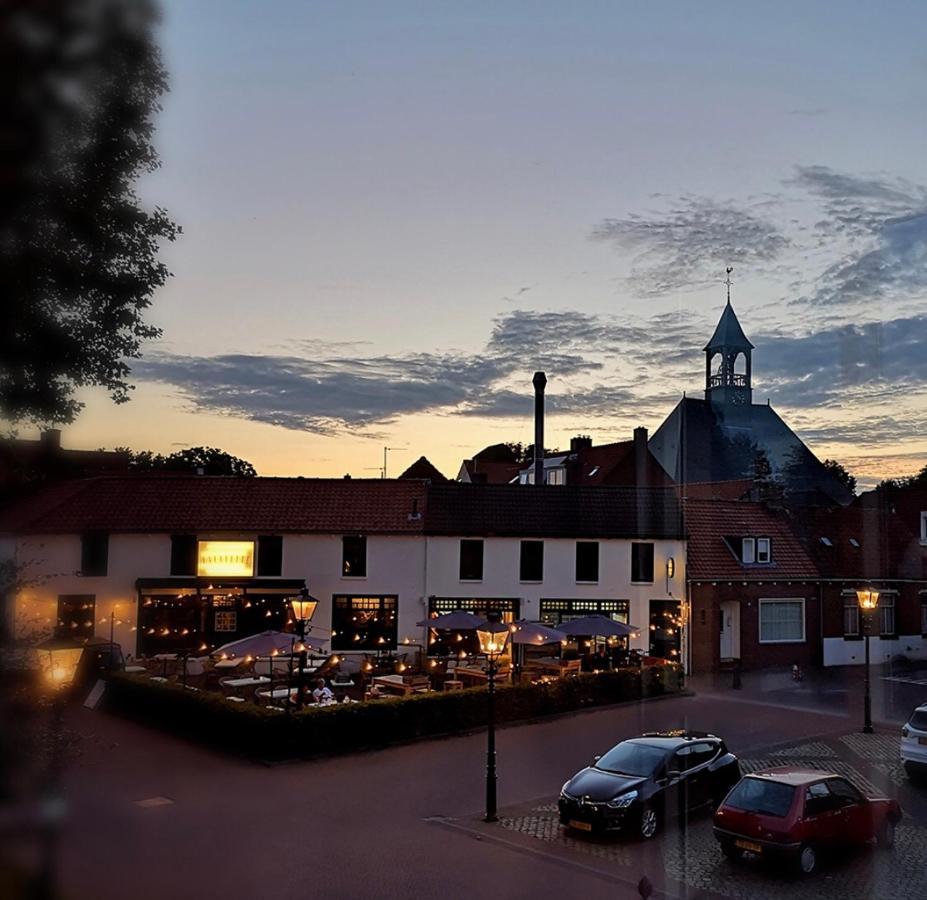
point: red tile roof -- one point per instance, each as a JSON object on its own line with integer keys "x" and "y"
{"x": 714, "y": 524}
{"x": 185, "y": 503}
{"x": 716, "y": 490}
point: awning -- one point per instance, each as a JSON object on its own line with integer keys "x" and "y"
{"x": 187, "y": 585}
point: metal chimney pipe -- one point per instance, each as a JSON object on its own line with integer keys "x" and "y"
{"x": 540, "y": 382}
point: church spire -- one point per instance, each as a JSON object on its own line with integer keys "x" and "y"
{"x": 730, "y": 384}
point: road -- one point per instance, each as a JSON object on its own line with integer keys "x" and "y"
{"x": 151, "y": 816}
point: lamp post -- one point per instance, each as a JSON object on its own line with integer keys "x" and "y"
{"x": 493, "y": 638}
{"x": 868, "y": 603}
{"x": 303, "y": 610}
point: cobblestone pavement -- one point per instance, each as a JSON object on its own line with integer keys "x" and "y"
{"x": 690, "y": 856}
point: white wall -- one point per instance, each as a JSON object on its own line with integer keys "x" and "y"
{"x": 395, "y": 565}
{"x": 501, "y": 562}
{"x": 838, "y": 652}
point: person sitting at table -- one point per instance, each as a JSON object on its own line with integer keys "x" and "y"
{"x": 322, "y": 693}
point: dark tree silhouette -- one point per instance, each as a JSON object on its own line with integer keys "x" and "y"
{"x": 80, "y": 84}
{"x": 210, "y": 460}
{"x": 843, "y": 476}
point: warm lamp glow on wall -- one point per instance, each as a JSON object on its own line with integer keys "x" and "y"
{"x": 225, "y": 559}
{"x": 670, "y": 567}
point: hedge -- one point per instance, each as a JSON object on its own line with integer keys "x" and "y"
{"x": 317, "y": 731}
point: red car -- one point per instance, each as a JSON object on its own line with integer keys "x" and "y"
{"x": 789, "y": 813}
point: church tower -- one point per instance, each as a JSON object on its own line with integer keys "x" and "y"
{"x": 728, "y": 388}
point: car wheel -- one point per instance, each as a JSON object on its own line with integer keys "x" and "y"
{"x": 807, "y": 860}
{"x": 731, "y": 851}
{"x": 886, "y": 835}
{"x": 650, "y": 823}
{"x": 914, "y": 772}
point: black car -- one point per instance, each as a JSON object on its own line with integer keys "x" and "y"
{"x": 640, "y": 782}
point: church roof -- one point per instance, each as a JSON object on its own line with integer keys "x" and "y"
{"x": 728, "y": 333}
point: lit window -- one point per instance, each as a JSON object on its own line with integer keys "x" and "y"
{"x": 364, "y": 623}
{"x": 556, "y": 476}
{"x": 225, "y": 558}
{"x": 782, "y": 621}
{"x": 763, "y": 550}
{"x": 748, "y": 550}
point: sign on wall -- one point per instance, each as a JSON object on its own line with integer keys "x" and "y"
{"x": 225, "y": 558}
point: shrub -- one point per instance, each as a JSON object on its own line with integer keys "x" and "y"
{"x": 255, "y": 731}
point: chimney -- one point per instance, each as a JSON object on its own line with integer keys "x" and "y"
{"x": 540, "y": 382}
{"x": 51, "y": 439}
{"x": 580, "y": 442}
{"x": 640, "y": 456}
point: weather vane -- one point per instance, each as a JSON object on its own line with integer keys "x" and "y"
{"x": 728, "y": 282}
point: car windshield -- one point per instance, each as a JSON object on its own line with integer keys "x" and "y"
{"x": 919, "y": 719}
{"x": 632, "y": 759}
{"x": 770, "y": 798}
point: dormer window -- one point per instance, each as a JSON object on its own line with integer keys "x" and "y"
{"x": 756, "y": 550}
{"x": 854, "y": 543}
{"x": 827, "y": 542}
{"x": 593, "y": 471}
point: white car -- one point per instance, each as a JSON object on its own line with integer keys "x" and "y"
{"x": 914, "y": 742}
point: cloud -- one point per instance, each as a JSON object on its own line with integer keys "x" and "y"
{"x": 883, "y": 224}
{"x": 689, "y": 244}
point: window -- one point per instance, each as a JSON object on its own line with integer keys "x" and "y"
{"x": 94, "y": 553}
{"x": 693, "y": 755}
{"x": 453, "y": 643}
{"x": 531, "y": 566}
{"x": 827, "y": 542}
{"x": 225, "y": 620}
{"x": 844, "y": 792}
{"x": 556, "y": 476}
{"x": 887, "y": 614}
{"x": 763, "y": 550}
{"x": 748, "y": 550}
{"x": 556, "y": 612}
{"x": 270, "y": 555}
{"x": 587, "y": 560}
{"x": 364, "y": 623}
{"x": 771, "y": 798}
{"x": 471, "y": 560}
{"x": 354, "y": 556}
{"x": 924, "y": 527}
{"x": 183, "y": 554}
{"x": 782, "y": 621}
{"x": 850, "y": 615}
{"x": 818, "y": 800}
{"x": 75, "y": 615}
{"x": 642, "y": 563}
{"x": 923, "y": 614}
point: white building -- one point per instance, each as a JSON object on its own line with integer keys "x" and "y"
{"x": 169, "y": 562}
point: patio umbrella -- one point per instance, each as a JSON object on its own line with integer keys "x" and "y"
{"x": 598, "y": 626}
{"x": 267, "y": 643}
{"x": 525, "y": 632}
{"x": 454, "y": 621}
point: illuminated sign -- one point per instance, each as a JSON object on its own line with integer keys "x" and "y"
{"x": 225, "y": 558}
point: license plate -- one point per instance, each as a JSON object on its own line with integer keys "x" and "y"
{"x": 749, "y": 845}
{"x": 922, "y": 740}
{"x": 580, "y": 826}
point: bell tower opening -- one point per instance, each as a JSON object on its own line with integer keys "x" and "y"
{"x": 728, "y": 360}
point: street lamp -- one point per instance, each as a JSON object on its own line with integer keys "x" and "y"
{"x": 868, "y": 599}
{"x": 493, "y": 638}
{"x": 303, "y": 608}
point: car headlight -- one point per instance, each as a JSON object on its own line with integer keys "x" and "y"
{"x": 624, "y": 801}
{"x": 904, "y": 731}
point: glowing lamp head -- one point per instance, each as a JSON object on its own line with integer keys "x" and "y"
{"x": 670, "y": 567}
{"x": 493, "y": 636}
{"x": 303, "y": 606}
{"x": 868, "y": 599}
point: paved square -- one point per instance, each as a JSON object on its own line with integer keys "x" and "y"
{"x": 690, "y": 858}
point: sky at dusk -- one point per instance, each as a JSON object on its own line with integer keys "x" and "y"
{"x": 393, "y": 213}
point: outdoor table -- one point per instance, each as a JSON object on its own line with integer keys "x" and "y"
{"x": 471, "y": 674}
{"x": 229, "y": 663}
{"x": 277, "y": 693}
{"x": 395, "y": 683}
{"x": 135, "y": 670}
{"x": 165, "y": 658}
{"x": 237, "y": 684}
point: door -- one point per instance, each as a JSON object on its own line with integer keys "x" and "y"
{"x": 692, "y": 761}
{"x": 823, "y": 815}
{"x": 855, "y": 815}
{"x": 665, "y": 629}
{"x": 730, "y": 630}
